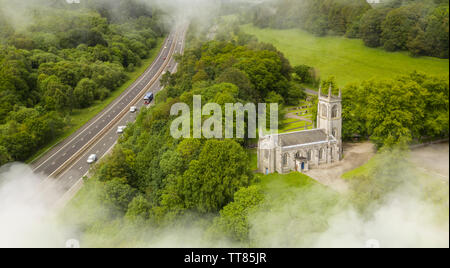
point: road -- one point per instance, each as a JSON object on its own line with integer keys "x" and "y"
{"x": 311, "y": 92}
{"x": 66, "y": 164}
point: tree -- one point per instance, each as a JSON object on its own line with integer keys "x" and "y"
{"x": 436, "y": 36}
{"x": 370, "y": 26}
{"x": 327, "y": 83}
{"x": 397, "y": 111}
{"x": 4, "y": 156}
{"x": 233, "y": 221}
{"x": 398, "y": 25}
{"x": 240, "y": 79}
{"x": 117, "y": 195}
{"x": 304, "y": 74}
{"x": 118, "y": 165}
{"x": 138, "y": 210}
{"x": 295, "y": 94}
{"x": 84, "y": 93}
{"x": 209, "y": 183}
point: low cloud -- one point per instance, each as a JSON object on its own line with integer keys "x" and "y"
{"x": 27, "y": 218}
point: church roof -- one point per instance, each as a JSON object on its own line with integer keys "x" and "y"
{"x": 302, "y": 137}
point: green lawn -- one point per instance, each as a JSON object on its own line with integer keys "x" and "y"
{"x": 79, "y": 117}
{"x": 277, "y": 181}
{"x": 346, "y": 59}
{"x": 293, "y": 127}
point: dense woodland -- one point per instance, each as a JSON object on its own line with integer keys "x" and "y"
{"x": 418, "y": 26}
{"x": 64, "y": 58}
{"x": 408, "y": 109}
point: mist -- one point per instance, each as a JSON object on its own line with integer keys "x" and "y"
{"x": 404, "y": 220}
{"x": 26, "y": 217}
{"x": 18, "y": 13}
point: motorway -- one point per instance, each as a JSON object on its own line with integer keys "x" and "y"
{"x": 66, "y": 164}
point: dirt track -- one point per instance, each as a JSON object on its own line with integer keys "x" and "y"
{"x": 433, "y": 158}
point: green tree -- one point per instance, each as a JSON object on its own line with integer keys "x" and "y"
{"x": 233, "y": 221}
{"x": 370, "y": 26}
{"x": 138, "y": 210}
{"x": 117, "y": 196}
{"x": 209, "y": 183}
{"x": 84, "y": 93}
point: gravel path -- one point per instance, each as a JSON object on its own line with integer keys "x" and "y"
{"x": 355, "y": 155}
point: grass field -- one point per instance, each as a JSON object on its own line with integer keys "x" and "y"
{"x": 79, "y": 117}
{"x": 346, "y": 59}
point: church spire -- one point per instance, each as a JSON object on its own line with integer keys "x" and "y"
{"x": 329, "y": 92}
{"x": 340, "y": 93}
{"x": 320, "y": 90}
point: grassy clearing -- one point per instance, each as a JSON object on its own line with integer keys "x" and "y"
{"x": 364, "y": 170}
{"x": 298, "y": 126}
{"x": 79, "y": 117}
{"x": 277, "y": 181}
{"x": 346, "y": 59}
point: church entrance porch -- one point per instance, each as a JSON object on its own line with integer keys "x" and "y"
{"x": 301, "y": 164}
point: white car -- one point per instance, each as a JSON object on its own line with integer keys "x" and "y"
{"x": 92, "y": 158}
{"x": 120, "y": 129}
{"x": 133, "y": 109}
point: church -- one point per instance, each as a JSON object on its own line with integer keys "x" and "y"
{"x": 304, "y": 150}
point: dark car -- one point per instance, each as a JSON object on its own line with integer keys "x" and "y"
{"x": 148, "y": 98}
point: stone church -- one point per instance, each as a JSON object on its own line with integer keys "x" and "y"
{"x": 304, "y": 150}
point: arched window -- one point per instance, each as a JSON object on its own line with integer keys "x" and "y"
{"x": 309, "y": 155}
{"x": 334, "y": 132}
{"x": 324, "y": 110}
{"x": 334, "y": 111}
{"x": 331, "y": 152}
{"x": 285, "y": 159}
{"x": 321, "y": 154}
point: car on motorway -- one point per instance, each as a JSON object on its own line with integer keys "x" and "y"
{"x": 133, "y": 109}
{"x": 120, "y": 129}
{"x": 148, "y": 98}
{"x": 92, "y": 159}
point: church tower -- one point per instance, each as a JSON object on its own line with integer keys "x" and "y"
{"x": 329, "y": 115}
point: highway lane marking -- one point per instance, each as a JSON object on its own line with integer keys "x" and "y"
{"x": 80, "y": 180}
{"x": 86, "y": 154}
{"x": 107, "y": 111}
